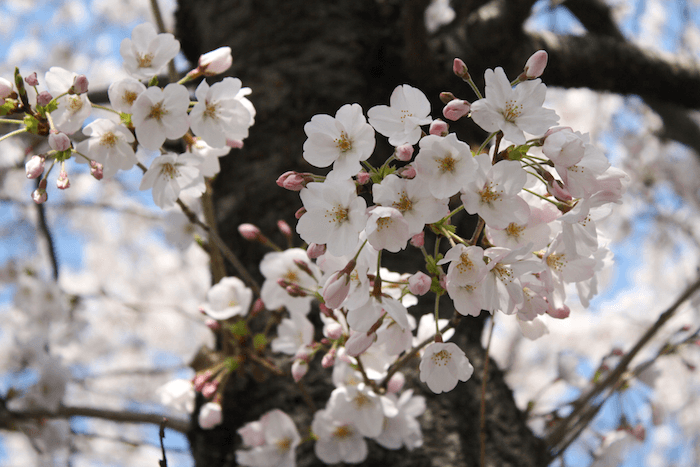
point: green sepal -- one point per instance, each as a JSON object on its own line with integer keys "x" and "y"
{"x": 432, "y": 266}
{"x": 517, "y": 153}
{"x": 32, "y": 124}
{"x": 8, "y": 107}
{"x": 125, "y": 118}
{"x": 63, "y": 155}
{"x": 239, "y": 329}
{"x": 153, "y": 81}
{"x": 232, "y": 363}
{"x": 51, "y": 106}
{"x": 259, "y": 342}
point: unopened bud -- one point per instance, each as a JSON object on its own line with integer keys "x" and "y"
{"x": 396, "y": 382}
{"x": 404, "y": 152}
{"x": 80, "y": 85}
{"x": 213, "y": 324}
{"x": 359, "y": 342}
{"x": 39, "y": 195}
{"x": 44, "y": 98}
{"x": 304, "y": 266}
{"x": 559, "y": 313}
{"x": 294, "y": 181}
{"x": 295, "y": 291}
{"x": 419, "y": 283}
{"x": 325, "y": 310}
{"x": 456, "y": 109}
{"x": 32, "y": 80}
{"x": 314, "y": 250}
{"x": 336, "y": 289}
{"x": 234, "y": 143}
{"x": 408, "y": 172}
{"x": 535, "y": 65}
{"x": 300, "y": 212}
{"x": 439, "y": 128}
{"x": 35, "y": 166}
{"x": 299, "y": 369}
{"x": 258, "y": 306}
{"x": 460, "y": 69}
{"x": 209, "y": 389}
{"x": 363, "y": 177}
{"x": 96, "y": 170}
{"x": 418, "y": 240}
{"x": 329, "y": 359}
{"x": 62, "y": 181}
{"x": 249, "y": 232}
{"x": 284, "y": 228}
{"x": 59, "y": 141}
{"x": 446, "y": 97}
{"x": 215, "y": 62}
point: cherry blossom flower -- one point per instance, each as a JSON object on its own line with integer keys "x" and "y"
{"x": 401, "y": 120}
{"x": 147, "y": 52}
{"x": 219, "y": 113}
{"x": 168, "y": 175}
{"x": 335, "y": 215}
{"x": 360, "y": 406}
{"x": 338, "y": 440}
{"x": 403, "y": 429}
{"x": 343, "y": 141}
{"x": 72, "y": 109}
{"x": 123, "y": 93}
{"x": 6, "y": 88}
{"x": 513, "y": 110}
{"x": 282, "y": 265}
{"x": 161, "y": 113}
{"x": 293, "y": 333}
{"x": 493, "y": 193}
{"x": 210, "y": 415}
{"x": 228, "y": 298}
{"x": 362, "y": 318}
{"x": 387, "y": 229}
{"x": 442, "y": 365}
{"x": 178, "y": 394}
{"x": 274, "y": 444}
{"x": 445, "y": 164}
{"x": 108, "y": 143}
{"x": 412, "y": 199}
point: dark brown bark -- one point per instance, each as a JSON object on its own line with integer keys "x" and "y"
{"x": 306, "y": 57}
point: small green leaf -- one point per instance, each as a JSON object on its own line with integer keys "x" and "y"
{"x": 51, "y": 106}
{"x": 125, "y": 118}
{"x": 259, "y": 342}
{"x": 32, "y": 124}
{"x": 239, "y": 329}
{"x": 153, "y": 81}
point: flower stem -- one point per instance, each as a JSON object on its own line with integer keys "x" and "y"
{"x": 13, "y": 133}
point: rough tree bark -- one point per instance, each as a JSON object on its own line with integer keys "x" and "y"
{"x": 305, "y": 57}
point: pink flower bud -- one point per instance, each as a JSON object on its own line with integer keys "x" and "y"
{"x": 456, "y": 109}
{"x": 258, "y": 306}
{"x": 314, "y": 250}
{"x": 535, "y": 65}
{"x": 300, "y": 212}
{"x": 460, "y": 69}
{"x": 418, "y": 240}
{"x": 295, "y": 291}
{"x": 359, "y": 342}
{"x": 396, "y": 383}
{"x": 559, "y": 313}
{"x": 249, "y": 232}
{"x": 299, "y": 369}
{"x": 213, "y": 324}
{"x": 443, "y": 281}
{"x": 32, "y": 80}
{"x": 325, "y": 310}
{"x": 80, "y": 85}
{"x": 96, "y": 170}
{"x": 39, "y": 196}
{"x": 559, "y": 191}
{"x": 329, "y": 359}
{"x": 210, "y": 415}
{"x": 446, "y": 97}
{"x": 363, "y": 177}
{"x": 234, "y": 143}
{"x": 408, "y": 172}
{"x": 215, "y": 62}
{"x": 44, "y": 98}
{"x": 62, "y": 182}
{"x": 419, "y": 283}
{"x": 35, "y": 166}
{"x": 336, "y": 289}
{"x": 294, "y": 181}
{"x": 284, "y": 228}
{"x": 439, "y": 128}
{"x": 404, "y": 152}
{"x": 59, "y": 141}
{"x": 209, "y": 389}
{"x": 333, "y": 330}
{"x": 639, "y": 432}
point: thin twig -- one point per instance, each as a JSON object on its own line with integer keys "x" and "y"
{"x": 562, "y": 434}
{"x": 44, "y": 229}
{"x": 155, "y": 8}
{"x": 161, "y": 435}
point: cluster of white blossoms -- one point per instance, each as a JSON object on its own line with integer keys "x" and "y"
{"x": 143, "y": 116}
{"x": 536, "y": 193}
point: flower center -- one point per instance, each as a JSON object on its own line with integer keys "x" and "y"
{"x": 489, "y": 195}
{"x": 361, "y": 400}
{"x": 75, "y": 104}
{"x": 447, "y": 164}
{"x": 512, "y": 110}
{"x": 291, "y": 277}
{"x": 403, "y": 204}
{"x": 283, "y": 445}
{"x": 556, "y": 262}
{"x": 210, "y": 111}
{"x": 344, "y": 431}
{"x": 514, "y": 230}
{"x": 504, "y": 274}
{"x": 145, "y": 60}
{"x": 338, "y": 214}
{"x": 383, "y": 223}
{"x": 108, "y": 139}
{"x": 404, "y": 114}
{"x": 442, "y": 358}
{"x": 157, "y": 111}
{"x": 129, "y": 97}
{"x": 169, "y": 170}
{"x": 343, "y": 143}
{"x": 465, "y": 264}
